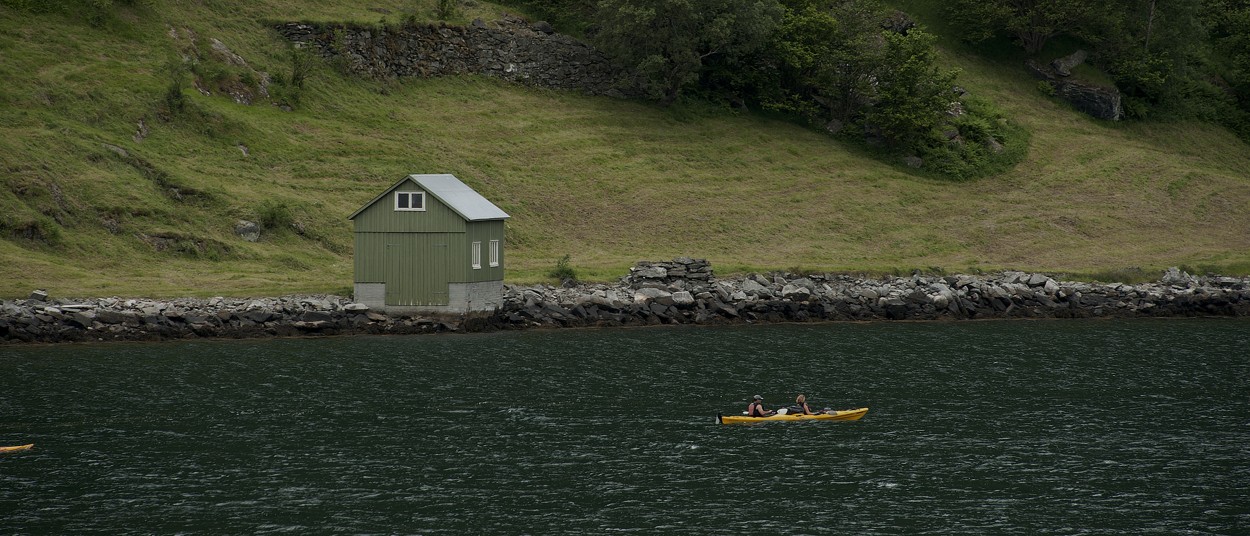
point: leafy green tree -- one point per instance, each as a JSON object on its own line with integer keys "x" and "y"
{"x": 835, "y": 62}
{"x": 667, "y": 42}
{"x": 1228, "y": 26}
{"x": 1228, "y": 22}
{"x": 1154, "y": 51}
{"x": 819, "y": 60}
{"x": 913, "y": 93}
{"x": 1031, "y": 22}
{"x": 827, "y": 53}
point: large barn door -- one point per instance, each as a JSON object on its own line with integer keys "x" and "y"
{"x": 397, "y": 286}
{"x": 416, "y": 269}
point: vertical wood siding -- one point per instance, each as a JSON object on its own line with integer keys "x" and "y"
{"x": 484, "y": 232}
{"x": 370, "y": 257}
{"x": 383, "y": 218}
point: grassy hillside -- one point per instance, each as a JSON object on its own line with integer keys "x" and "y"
{"x": 605, "y": 181}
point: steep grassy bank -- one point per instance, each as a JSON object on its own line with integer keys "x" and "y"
{"x": 607, "y": 182}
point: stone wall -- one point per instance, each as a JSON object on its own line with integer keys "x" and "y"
{"x": 509, "y": 49}
{"x": 683, "y": 291}
{"x": 677, "y": 274}
{"x": 40, "y": 319}
{"x": 783, "y": 297}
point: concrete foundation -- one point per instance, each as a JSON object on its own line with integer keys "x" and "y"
{"x": 485, "y": 296}
{"x": 371, "y": 294}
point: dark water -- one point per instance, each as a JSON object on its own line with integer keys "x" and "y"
{"x": 1056, "y": 427}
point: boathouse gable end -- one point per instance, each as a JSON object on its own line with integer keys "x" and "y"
{"x": 381, "y": 215}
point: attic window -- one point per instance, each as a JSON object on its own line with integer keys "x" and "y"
{"x": 409, "y": 201}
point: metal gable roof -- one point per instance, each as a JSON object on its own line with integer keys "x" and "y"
{"x": 465, "y": 201}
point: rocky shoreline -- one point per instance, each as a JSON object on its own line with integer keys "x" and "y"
{"x": 682, "y": 291}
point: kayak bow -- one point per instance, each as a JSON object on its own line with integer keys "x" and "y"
{"x": 841, "y": 415}
{"x": 17, "y": 448}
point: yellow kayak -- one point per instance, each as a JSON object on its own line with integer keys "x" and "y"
{"x": 840, "y": 415}
{"x": 17, "y": 448}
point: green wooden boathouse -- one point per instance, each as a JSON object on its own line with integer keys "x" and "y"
{"x": 429, "y": 244}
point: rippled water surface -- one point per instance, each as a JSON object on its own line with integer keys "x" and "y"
{"x": 1056, "y": 427}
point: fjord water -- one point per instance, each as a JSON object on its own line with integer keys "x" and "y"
{"x": 1013, "y": 427}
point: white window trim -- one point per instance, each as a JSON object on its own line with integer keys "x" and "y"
{"x": 477, "y": 255}
{"x": 422, "y": 209}
{"x": 494, "y": 253}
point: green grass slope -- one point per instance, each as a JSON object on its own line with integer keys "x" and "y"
{"x": 89, "y": 208}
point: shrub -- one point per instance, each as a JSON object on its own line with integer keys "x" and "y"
{"x": 981, "y": 126}
{"x": 562, "y": 271}
{"x": 173, "y": 102}
{"x": 447, "y": 9}
{"x": 290, "y": 90}
{"x": 274, "y": 215}
{"x": 301, "y": 66}
{"x": 1046, "y": 88}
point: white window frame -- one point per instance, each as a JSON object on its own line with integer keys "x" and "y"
{"x": 494, "y": 253}
{"x": 410, "y": 195}
{"x": 477, "y": 255}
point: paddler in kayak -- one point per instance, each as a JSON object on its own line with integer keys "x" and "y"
{"x": 800, "y": 406}
{"x": 756, "y": 408}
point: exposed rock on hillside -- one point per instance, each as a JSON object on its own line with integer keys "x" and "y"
{"x": 1097, "y": 101}
{"x": 247, "y": 230}
{"x": 1063, "y": 66}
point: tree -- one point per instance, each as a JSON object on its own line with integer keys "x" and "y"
{"x": 667, "y": 42}
{"x": 1153, "y": 50}
{"x": 912, "y": 91}
{"x": 1228, "y": 22}
{"x": 827, "y": 53}
{"x": 1031, "y": 22}
{"x": 836, "y": 62}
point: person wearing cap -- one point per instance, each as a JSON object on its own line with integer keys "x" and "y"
{"x": 756, "y": 408}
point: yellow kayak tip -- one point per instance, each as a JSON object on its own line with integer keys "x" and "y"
{"x": 17, "y": 448}
{"x": 839, "y": 415}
